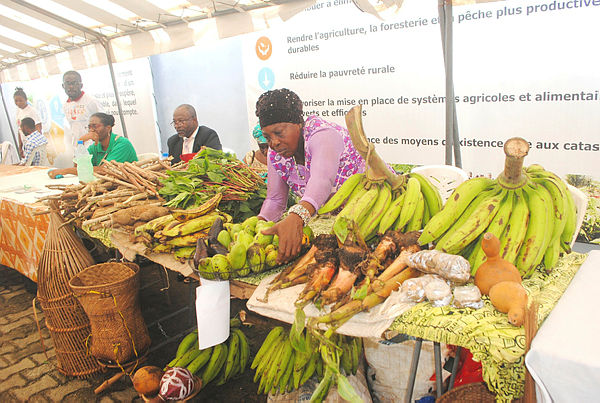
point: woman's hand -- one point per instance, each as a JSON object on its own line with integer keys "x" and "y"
{"x": 52, "y": 173}
{"x": 64, "y": 171}
{"x": 289, "y": 231}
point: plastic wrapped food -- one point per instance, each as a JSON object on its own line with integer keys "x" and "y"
{"x": 467, "y": 296}
{"x": 413, "y": 289}
{"x": 438, "y": 292}
{"x": 451, "y": 267}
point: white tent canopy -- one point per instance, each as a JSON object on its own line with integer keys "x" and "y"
{"x": 39, "y": 38}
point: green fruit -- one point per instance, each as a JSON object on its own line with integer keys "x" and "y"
{"x": 221, "y": 266}
{"x": 237, "y": 255}
{"x": 256, "y": 258}
{"x": 263, "y": 240}
{"x": 261, "y": 225}
{"x": 245, "y": 238}
{"x": 235, "y": 228}
{"x": 275, "y": 242}
{"x": 271, "y": 258}
{"x": 224, "y": 238}
{"x": 249, "y": 224}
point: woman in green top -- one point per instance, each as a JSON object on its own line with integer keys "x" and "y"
{"x": 107, "y": 145}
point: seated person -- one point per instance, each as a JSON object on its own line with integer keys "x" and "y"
{"x": 257, "y": 159}
{"x": 33, "y": 139}
{"x": 107, "y": 145}
{"x": 190, "y": 137}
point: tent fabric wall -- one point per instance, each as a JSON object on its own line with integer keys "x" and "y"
{"x": 160, "y": 40}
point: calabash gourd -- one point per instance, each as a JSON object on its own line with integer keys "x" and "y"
{"x": 494, "y": 269}
{"x": 510, "y": 297}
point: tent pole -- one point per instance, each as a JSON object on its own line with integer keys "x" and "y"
{"x": 8, "y": 119}
{"x": 106, "y": 46}
{"x": 452, "y": 137}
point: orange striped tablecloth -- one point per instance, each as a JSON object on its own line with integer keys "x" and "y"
{"x": 22, "y": 234}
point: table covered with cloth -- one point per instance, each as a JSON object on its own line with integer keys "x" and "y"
{"x": 564, "y": 359}
{"x": 22, "y": 232}
{"x": 499, "y": 346}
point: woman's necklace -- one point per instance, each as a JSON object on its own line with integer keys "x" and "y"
{"x": 302, "y": 177}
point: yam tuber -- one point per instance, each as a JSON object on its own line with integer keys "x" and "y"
{"x": 494, "y": 269}
{"x": 510, "y": 297}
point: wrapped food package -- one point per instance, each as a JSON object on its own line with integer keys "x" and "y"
{"x": 176, "y": 384}
{"x": 468, "y": 296}
{"x": 451, "y": 267}
{"x": 413, "y": 289}
{"x": 438, "y": 292}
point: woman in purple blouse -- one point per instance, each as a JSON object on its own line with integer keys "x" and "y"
{"x": 311, "y": 157}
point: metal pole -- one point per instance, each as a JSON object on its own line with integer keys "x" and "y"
{"x": 9, "y": 124}
{"x": 449, "y": 87}
{"x": 437, "y": 353}
{"x": 454, "y": 367}
{"x": 412, "y": 375}
{"x": 106, "y": 46}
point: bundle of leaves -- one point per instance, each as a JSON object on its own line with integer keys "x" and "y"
{"x": 214, "y": 171}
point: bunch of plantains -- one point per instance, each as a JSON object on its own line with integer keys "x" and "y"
{"x": 530, "y": 210}
{"x": 178, "y": 231}
{"x": 237, "y": 250}
{"x": 375, "y": 207}
{"x": 286, "y": 361}
{"x": 219, "y": 363}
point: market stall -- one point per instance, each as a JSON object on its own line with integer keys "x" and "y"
{"x": 367, "y": 272}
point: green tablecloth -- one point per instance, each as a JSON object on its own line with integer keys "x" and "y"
{"x": 486, "y": 332}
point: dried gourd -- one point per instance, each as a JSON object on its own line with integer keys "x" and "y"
{"x": 510, "y": 297}
{"x": 495, "y": 269}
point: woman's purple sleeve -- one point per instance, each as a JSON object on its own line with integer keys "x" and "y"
{"x": 277, "y": 195}
{"x": 326, "y": 147}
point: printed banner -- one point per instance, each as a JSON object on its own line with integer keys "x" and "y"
{"x": 520, "y": 69}
{"x": 134, "y": 80}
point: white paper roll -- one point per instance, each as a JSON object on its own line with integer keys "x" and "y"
{"x": 212, "y": 312}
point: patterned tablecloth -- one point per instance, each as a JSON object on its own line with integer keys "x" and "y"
{"x": 22, "y": 233}
{"x": 486, "y": 332}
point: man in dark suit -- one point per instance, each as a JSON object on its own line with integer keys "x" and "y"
{"x": 190, "y": 136}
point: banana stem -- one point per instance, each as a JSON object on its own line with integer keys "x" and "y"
{"x": 377, "y": 170}
{"x": 515, "y": 150}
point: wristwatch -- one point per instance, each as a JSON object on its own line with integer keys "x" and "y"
{"x": 302, "y": 212}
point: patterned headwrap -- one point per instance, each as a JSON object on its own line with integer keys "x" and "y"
{"x": 258, "y": 135}
{"x": 277, "y": 106}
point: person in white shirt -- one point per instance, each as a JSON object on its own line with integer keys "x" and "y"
{"x": 190, "y": 136}
{"x": 78, "y": 109}
{"x": 25, "y": 110}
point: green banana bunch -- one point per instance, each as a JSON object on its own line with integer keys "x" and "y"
{"x": 342, "y": 194}
{"x": 218, "y": 363}
{"x": 532, "y": 217}
{"x": 281, "y": 368}
{"x": 375, "y": 207}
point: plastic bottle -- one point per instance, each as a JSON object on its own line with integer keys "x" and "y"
{"x": 83, "y": 159}
{"x": 164, "y": 156}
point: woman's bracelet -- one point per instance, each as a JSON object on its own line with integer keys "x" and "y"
{"x": 302, "y": 212}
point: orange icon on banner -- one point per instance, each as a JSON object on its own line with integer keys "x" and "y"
{"x": 264, "y": 48}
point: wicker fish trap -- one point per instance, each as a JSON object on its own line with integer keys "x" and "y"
{"x": 109, "y": 294}
{"x": 62, "y": 258}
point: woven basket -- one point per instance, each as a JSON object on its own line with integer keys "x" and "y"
{"x": 62, "y": 258}
{"x": 108, "y": 293}
{"x": 469, "y": 393}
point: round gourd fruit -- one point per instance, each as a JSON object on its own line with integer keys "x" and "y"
{"x": 146, "y": 380}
